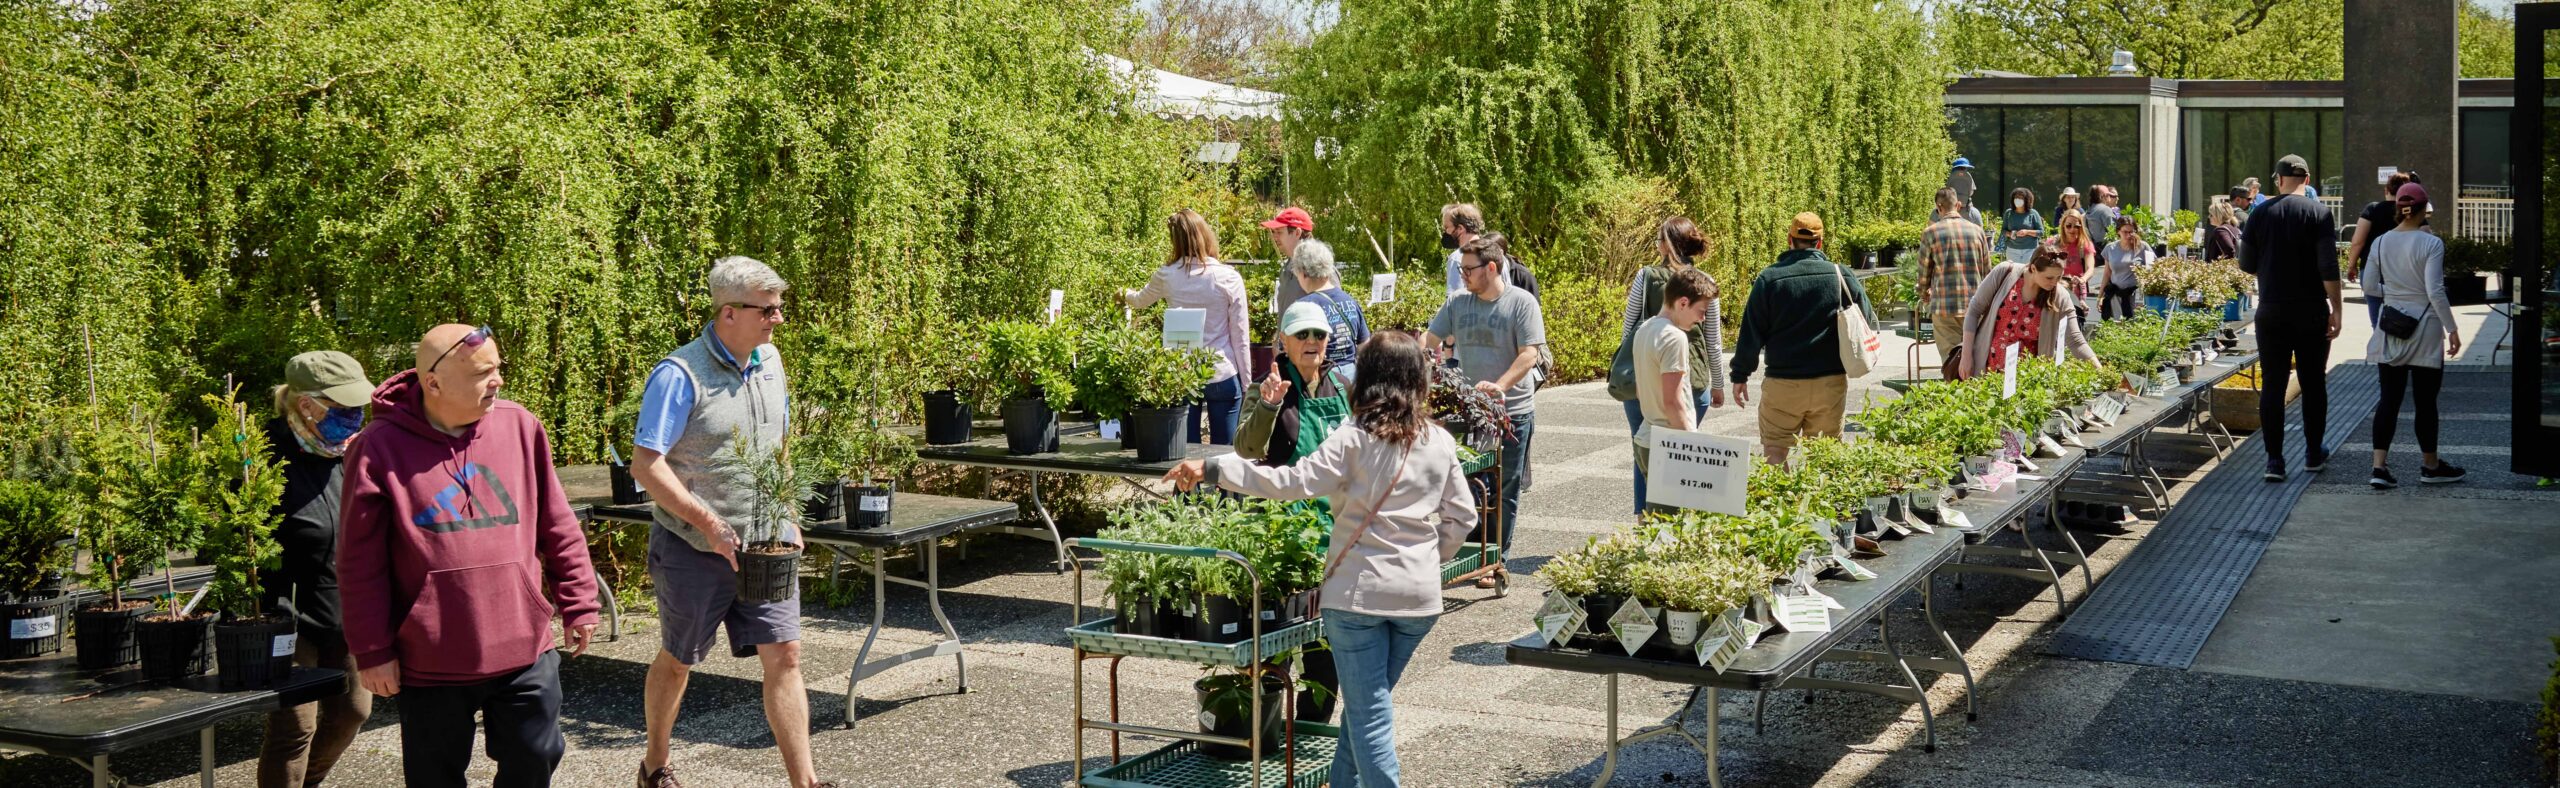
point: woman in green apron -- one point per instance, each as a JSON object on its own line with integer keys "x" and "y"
{"x": 1287, "y": 416}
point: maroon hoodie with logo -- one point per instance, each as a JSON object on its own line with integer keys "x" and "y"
{"x": 455, "y": 551}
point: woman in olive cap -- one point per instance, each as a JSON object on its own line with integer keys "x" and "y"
{"x": 319, "y": 408}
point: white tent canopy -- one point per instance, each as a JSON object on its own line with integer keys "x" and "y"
{"x": 1169, "y": 95}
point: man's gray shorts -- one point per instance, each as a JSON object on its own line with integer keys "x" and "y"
{"x": 698, "y": 594}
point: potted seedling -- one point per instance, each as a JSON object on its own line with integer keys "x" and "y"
{"x": 1161, "y": 385}
{"x": 1032, "y": 366}
{"x": 878, "y": 458}
{"x": 958, "y": 365}
{"x": 252, "y": 645}
{"x": 1226, "y": 698}
{"x": 822, "y": 448}
{"x": 147, "y": 494}
{"x": 777, "y": 498}
{"x": 35, "y": 545}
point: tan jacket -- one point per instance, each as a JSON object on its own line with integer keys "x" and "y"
{"x": 1394, "y": 568}
{"x": 1981, "y": 318}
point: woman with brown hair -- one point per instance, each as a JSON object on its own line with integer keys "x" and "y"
{"x": 2021, "y": 228}
{"x": 1193, "y": 278}
{"x": 2023, "y": 304}
{"x": 1386, "y": 475}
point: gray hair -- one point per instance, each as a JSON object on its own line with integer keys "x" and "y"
{"x": 1314, "y": 260}
{"x": 735, "y": 276}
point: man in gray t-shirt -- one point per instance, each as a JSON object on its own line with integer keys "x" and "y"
{"x": 1497, "y": 330}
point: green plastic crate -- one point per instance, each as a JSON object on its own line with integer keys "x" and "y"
{"x": 1180, "y": 765}
{"x": 1096, "y": 637}
{"x": 1466, "y": 561}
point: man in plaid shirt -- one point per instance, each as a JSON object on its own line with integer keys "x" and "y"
{"x": 1954, "y": 254}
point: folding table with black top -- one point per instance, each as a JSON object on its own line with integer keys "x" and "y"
{"x": 49, "y": 706}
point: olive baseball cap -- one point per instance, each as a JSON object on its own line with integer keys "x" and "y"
{"x": 330, "y": 374}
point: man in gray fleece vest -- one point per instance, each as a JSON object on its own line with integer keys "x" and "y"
{"x": 725, "y": 385}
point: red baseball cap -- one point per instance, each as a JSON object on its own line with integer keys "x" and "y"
{"x": 1292, "y": 216}
{"x": 2411, "y": 194}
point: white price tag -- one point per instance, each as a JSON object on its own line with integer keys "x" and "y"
{"x": 874, "y": 503}
{"x": 1382, "y": 288}
{"x": 283, "y": 645}
{"x": 1184, "y": 327}
{"x": 1802, "y": 612}
{"x": 1955, "y": 519}
{"x": 1633, "y": 625}
{"x": 1695, "y": 470}
{"x": 32, "y": 628}
{"x": 1560, "y": 617}
{"x": 2009, "y": 374}
{"x": 1107, "y": 429}
{"x": 1856, "y": 572}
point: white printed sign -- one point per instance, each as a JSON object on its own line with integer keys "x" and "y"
{"x": 1855, "y": 570}
{"x": 2382, "y": 175}
{"x": 283, "y": 645}
{"x": 1057, "y": 304}
{"x": 1802, "y": 613}
{"x": 2009, "y": 375}
{"x": 1560, "y": 617}
{"x": 1185, "y": 327}
{"x": 1382, "y": 288}
{"x": 1107, "y": 429}
{"x": 1695, "y": 470}
{"x": 32, "y": 628}
{"x": 1633, "y": 625}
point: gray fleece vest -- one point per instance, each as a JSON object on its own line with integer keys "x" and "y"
{"x": 726, "y": 403}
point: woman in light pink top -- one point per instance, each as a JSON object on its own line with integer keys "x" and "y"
{"x": 1193, "y": 278}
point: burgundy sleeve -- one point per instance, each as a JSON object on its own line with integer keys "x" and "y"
{"x": 561, "y": 542}
{"x": 364, "y": 562}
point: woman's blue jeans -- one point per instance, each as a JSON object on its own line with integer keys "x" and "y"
{"x": 1370, "y": 653}
{"x": 1704, "y": 401}
{"x": 1220, "y": 400}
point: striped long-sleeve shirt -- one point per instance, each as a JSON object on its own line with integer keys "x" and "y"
{"x": 1706, "y": 342}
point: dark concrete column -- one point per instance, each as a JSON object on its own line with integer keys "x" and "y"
{"x": 2400, "y": 80}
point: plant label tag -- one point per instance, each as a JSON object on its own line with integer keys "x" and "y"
{"x": 1632, "y": 624}
{"x": 874, "y": 503}
{"x": 1184, "y": 327}
{"x": 1916, "y": 524}
{"x": 1827, "y": 601}
{"x": 1802, "y": 613}
{"x": 1559, "y": 617}
{"x": 283, "y": 645}
{"x": 32, "y": 628}
{"x": 1107, "y": 429}
{"x": 1057, "y": 304}
{"x": 1955, "y": 519}
{"x": 1751, "y": 632}
{"x": 2013, "y": 444}
{"x": 2009, "y": 374}
{"x": 1695, "y": 470}
{"x": 2111, "y": 407}
{"x": 1856, "y": 571}
{"x": 1706, "y": 649}
{"x": 2045, "y": 447}
{"x": 2136, "y": 382}
{"x": 1382, "y": 288}
{"x": 1999, "y": 475}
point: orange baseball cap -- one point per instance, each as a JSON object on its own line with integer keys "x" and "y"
{"x": 1806, "y": 226}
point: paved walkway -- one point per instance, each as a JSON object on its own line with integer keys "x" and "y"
{"x": 1467, "y": 719}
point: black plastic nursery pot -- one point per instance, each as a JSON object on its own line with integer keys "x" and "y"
{"x": 869, "y": 506}
{"x": 2464, "y": 289}
{"x": 174, "y": 648}
{"x": 768, "y": 571}
{"x": 1225, "y": 707}
{"x": 946, "y": 418}
{"x": 1222, "y": 620}
{"x": 626, "y": 490}
{"x": 1030, "y": 427}
{"x": 255, "y": 654}
{"x": 102, "y": 635}
{"x": 826, "y": 503}
{"x": 1299, "y": 608}
{"x": 1596, "y": 610}
{"x": 2186, "y": 373}
{"x": 1156, "y": 433}
{"x": 35, "y": 626}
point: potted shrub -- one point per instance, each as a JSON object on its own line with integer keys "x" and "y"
{"x": 1032, "y": 369}
{"x": 823, "y": 449}
{"x": 1162, "y": 383}
{"x": 149, "y": 500}
{"x": 1226, "y": 698}
{"x": 252, "y": 646}
{"x": 769, "y": 545}
{"x": 35, "y": 545}
{"x": 2467, "y": 264}
{"x": 958, "y": 366}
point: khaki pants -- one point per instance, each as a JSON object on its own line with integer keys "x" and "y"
{"x": 1811, "y": 406}
{"x": 1950, "y": 332}
{"x": 304, "y": 741}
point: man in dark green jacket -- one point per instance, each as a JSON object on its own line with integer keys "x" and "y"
{"x": 1790, "y": 314}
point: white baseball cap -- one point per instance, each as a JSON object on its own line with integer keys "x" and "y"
{"x": 1304, "y": 316}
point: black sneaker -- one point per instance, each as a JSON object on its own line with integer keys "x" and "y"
{"x": 2314, "y": 462}
{"x": 2443, "y": 473}
{"x": 2275, "y": 473}
{"x": 2383, "y": 480}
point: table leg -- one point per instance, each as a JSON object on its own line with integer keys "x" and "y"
{"x": 204, "y": 769}
{"x": 933, "y": 599}
{"x": 2053, "y": 517}
{"x": 879, "y": 614}
{"x": 1609, "y": 762}
{"x": 1928, "y": 719}
{"x": 2025, "y": 535}
{"x": 1055, "y": 540}
{"x": 612, "y": 611}
{"x": 1715, "y": 778}
{"x": 1929, "y": 612}
{"x": 99, "y": 777}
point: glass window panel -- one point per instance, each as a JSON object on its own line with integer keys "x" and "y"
{"x": 2035, "y": 153}
{"x": 1977, "y": 136}
{"x": 2245, "y": 154}
{"x": 2486, "y": 167}
{"x": 2297, "y": 132}
{"x": 2330, "y": 166}
{"x": 2106, "y": 147}
{"x": 2213, "y": 170}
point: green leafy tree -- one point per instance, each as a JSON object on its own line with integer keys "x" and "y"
{"x": 2172, "y": 39}
{"x": 2485, "y": 42}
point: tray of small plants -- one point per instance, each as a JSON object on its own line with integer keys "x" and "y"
{"x": 1194, "y": 607}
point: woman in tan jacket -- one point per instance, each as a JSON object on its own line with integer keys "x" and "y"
{"x": 2026, "y": 304}
{"x": 1387, "y": 475}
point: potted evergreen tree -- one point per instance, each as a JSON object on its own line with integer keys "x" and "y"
{"x": 1032, "y": 366}
{"x": 150, "y": 493}
{"x": 35, "y": 545}
{"x": 253, "y": 646}
{"x": 769, "y": 545}
{"x": 821, "y": 448}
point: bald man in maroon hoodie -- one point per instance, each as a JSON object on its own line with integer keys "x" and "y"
{"x": 457, "y": 547}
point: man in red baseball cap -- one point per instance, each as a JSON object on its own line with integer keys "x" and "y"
{"x": 1287, "y": 229}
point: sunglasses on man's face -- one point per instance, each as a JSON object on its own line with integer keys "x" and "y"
{"x": 477, "y": 337}
{"x": 769, "y": 312}
{"x": 1311, "y": 335}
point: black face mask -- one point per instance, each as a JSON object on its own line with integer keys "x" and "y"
{"x": 1448, "y": 241}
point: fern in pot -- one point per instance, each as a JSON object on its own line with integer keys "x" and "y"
{"x": 769, "y": 541}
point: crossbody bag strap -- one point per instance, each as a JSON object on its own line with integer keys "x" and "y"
{"x": 1365, "y": 522}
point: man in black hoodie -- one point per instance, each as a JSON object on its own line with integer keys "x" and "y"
{"x": 318, "y": 408}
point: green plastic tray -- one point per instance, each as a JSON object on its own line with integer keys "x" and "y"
{"x": 1096, "y": 637}
{"x": 1180, "y": 765}
{"x": 1466, "y": 561}
{"x": 1483, "y": 462}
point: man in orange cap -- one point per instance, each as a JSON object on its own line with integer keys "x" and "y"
{"x": 1789, "y": 315}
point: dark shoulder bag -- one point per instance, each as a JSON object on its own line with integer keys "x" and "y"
{"x": 1622, "y": 366}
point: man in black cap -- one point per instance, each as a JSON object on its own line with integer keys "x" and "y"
{"x": 2291, "y": 244}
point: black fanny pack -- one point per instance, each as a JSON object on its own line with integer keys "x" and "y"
{"x": 2398, "y": 324}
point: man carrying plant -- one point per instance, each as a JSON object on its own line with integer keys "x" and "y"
{"x": 1662, "y": 358}
{"x": 1791, "y": 315}
{"x": 1954, "y": 253}
{"x": 725, "y": 385}
{"x": 1498, "y": 330}
{"x": 2291, "y": 244}
{"x": 456, "y": 546}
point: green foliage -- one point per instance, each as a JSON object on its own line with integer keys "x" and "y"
{"x": 1120, "y": 370}
{"x": 2171, "y": 39}
{"x": 148, "y": 494}
{"x": 2484, "y": 42}
{"x": 245, "y": 483}
{"x": 2546, "y": 731}
{"x": 2475, "y": 256}
{"x": 778, "y": 491}
{"x": 2194, "y": 283}
{"x": 1583, "y": 316}
{"x": 1283, "y": 542}
{"x": 1026, "y": 359}
{"x": 1747, "y": 111}
{"x": 35, "y": 534}
{"x": 1420, "y": 292}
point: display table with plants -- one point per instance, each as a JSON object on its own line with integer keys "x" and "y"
{"x": 1086, "y": 454}
{"x": 919, "y": 519}
{"x": 56, "y": 707}
{"x": 1226, "y": 584}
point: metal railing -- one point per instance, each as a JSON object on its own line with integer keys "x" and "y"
{"x": 2479, "y": 218}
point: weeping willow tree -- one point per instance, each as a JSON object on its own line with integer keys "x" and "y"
{"x": 206, "y": 186}
{"x": 1553, "y": 113}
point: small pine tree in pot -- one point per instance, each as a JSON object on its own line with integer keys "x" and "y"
{"x": 35, "y": 545}
{"x": 769, "y": 540}
{"x": 253, "y": 646}
{"x": 151, "y": 492}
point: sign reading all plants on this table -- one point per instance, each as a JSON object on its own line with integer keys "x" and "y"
{"x": 1632, "y": 624}
{"x": 1695, "y": 470}
{"x": 1559, "y": 618}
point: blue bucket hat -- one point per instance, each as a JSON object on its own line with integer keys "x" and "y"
{"x": 1962, "y": 163}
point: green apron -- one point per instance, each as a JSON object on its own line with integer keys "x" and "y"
{"x": 1317, "y": 417}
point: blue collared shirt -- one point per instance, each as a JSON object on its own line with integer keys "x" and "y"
{"x": 666, "y": 403}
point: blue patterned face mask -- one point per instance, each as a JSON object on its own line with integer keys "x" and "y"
{"x": 341, "y": 424}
